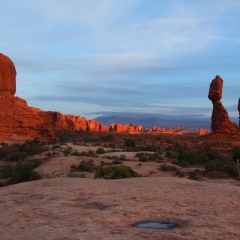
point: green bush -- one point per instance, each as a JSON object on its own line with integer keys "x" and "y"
{"x": 150, "y": 148}
{"x": 130, "y": 144}
{"x": 86, "y": 166}
{"x": 221, "y": 167}
{"x": 236, "y": 153}
{"x": 22, "y": 172}
{"x": 190, "y": 158}
{"x": 116, "y": 161}
{"x": 169, "y": 140}
{"x": 19, "y": 152}
{"x": 164, "y": 167}
{"x": 192, "y": 176}
{"x": 100, "y": 151}
{"x": 143, "y": 159}
{"x": 115, "y": 172}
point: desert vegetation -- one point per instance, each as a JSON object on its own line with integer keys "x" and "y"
{"x": 167, "y": 152}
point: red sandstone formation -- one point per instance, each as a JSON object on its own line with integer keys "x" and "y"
{"x": 162, "y": 130}
{"x": 19, "y": 122}
{"x": 203, "y": 131}
{"x": 119, "y": 128}
{"x": 220, "y": 119}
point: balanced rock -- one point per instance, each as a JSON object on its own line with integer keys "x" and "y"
{"x": 215, "y": 91}
{"x": 220, "y": 119}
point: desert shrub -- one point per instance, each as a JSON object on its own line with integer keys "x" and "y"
{"x": 169, "y": 148}
{"x": 236, "y": 153}
{"x": 155, "y": 156}
{"x": 19, "y": 152}
{"x": 192, "y": 176}
{"x": 55, "y": 146}
{"x": 190, "y": 158}
{"x": 143, "y": 159}
{"x": 67, "y": 151}
{"x": 107, "y": 138}
{"x": 158, "y": 138}
{"x": 231, "y": 170}
{"x": 76, "y": 153}
{"x": 112, "y": 145}
{"x": 175, "y": 161}
{"x": 100, "y": 151}
{"x": 129, "y": 144}
{"x": 208, "y": 154}
{"x": 150, "y": 148}
{"x": 166, "y": 168}
{"x": 90, "y": 153}
{"x": 123, "y": 157}
{"x": 116, "y": 161}
{"x": 115, "y": 172}
{"x": 86, "y": 166}
{"x": 22, "y": 172}
{"x": 171, "y": 154}
{"x": 215, "y": 165}
{"x": 169, "y": 140}
{"x": 179, "y": 173}
{"x": 177, "y": 146}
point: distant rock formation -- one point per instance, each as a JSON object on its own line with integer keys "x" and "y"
{"x": 220, "y": 119}
{"x": 119, "y": 128}
{"x": 163, "y": 130}
{"x": 203, "y": 131}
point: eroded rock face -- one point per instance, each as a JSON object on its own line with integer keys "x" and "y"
{"x": 7, "y": 75}
{"x": 220, "y": 119}
{"x": 18, "y": 122}
{"x": 7, "y": 100}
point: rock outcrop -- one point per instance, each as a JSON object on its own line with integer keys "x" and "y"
{"x": 220, "y": 119}
{"x": 119, "y": 128}
{"x": 203, "y": 131}
{"x": 19, "y": 122}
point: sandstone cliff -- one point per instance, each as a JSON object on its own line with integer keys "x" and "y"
{"x": 19, "y": 122}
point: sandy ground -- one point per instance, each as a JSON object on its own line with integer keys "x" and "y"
{"x": 60, "y": 165}
{"x": 78, "y": 208}
{"x": 61, "y": 208}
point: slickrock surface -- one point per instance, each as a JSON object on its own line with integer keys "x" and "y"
{"x": 221, "y": 122}
{"x": 76, "y": 208}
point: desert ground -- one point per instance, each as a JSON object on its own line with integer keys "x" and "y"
{"x": 68, "y": 203}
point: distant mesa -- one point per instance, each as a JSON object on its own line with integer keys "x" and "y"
{"x": 220, "y": 119}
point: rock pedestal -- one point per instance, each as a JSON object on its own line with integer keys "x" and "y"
{"x": 220, "y": 119}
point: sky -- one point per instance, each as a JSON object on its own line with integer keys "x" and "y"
{"x": 103, "y": 57}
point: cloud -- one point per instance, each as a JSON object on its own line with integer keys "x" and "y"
{"x": 135, "y": 55}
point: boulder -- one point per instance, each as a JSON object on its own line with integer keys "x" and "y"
{"x": 215, "y": 90}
